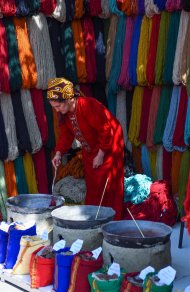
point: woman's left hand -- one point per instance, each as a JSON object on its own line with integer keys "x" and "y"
{"x": 98, "y": 159}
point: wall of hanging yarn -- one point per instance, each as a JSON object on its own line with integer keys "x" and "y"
{"x": 132, "y": 55}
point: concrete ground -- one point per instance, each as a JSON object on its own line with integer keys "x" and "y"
{"x": 180, "y": 262}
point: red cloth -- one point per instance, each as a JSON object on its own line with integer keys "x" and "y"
{"x": 80, "y": 270}
{"x": 126, "y": 286}
{"x": 47, "y": 6}
{"x": 41, "y": 270}
{"x": 4, "y": 69}
{"x": 96, "y": 128}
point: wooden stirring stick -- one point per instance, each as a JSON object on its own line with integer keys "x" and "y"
{"x": 102, "y": 197}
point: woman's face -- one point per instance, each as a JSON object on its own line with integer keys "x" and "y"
{"x": 62, "y": 107}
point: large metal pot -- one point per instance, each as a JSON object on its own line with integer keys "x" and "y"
{"x": 33, "y": 203}
{"x": 81, "y": 217}
{"x": 73, "y": 222}
{"x": 33, "y": 207}
{"x": 125, "y": 233}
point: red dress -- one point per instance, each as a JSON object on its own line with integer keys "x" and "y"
{"x": 95, "y": 127}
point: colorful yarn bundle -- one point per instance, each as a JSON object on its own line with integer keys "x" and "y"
{"x": 187, "y": 125}
{"x": 8, "y": 8}
{"x": 10, "y": 179}
{"x": 159, "y": 162}
{"x": 3, "y": 139}
{"x": 121, "y": 112}
{"x": 90, "y": 53}
{"x": 68, "y": 50}
{"x": 43, "y": 55}
{"x": 152, "y": 115}
{"x": 173, "y": 5}
{"x": 105, "y": 9}
{"x": 151, "y": 58}
{"x": 143, "y": 46}
{"x": 20, "y": 176}
{"x": 79, "y": 9}
{"x": 10, "y": 128}
{"x": 150, "y": 8}
{"x": 124, "y": 72}
{"x": 38, "y": 104}
{"x": 30, "y": 174}
{"x": 4, "y": 69}
{"x": 178, "y": 60}
{"x": 60, "y": 11}
{"x": 23, "y": 138}
{"x": 47, "y": 6}
{"x": 28, "y": 66}
{"x": 33, "y": 130}
{"x": 13, "y": 56}
{"x": 171, "y": 119}
{"x": 134, "y": 126}
{"x": 145, "y": 160}
{"x": 3, "y": 192}
{"x": 176, "y": 162}
{"x": 95, "y": 7}
{"x": 79, "y": 50}
{"x": 70, "y": 9}
{"x": 183, "y": 178}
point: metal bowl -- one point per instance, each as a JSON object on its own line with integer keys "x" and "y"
{"x": 81, "y": 217}
{"x": 126, "y": 234}
{"x": 33, "y": 203}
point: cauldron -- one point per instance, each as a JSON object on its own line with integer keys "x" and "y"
{"x": 33, "y": 203}
{"x": 126, "y": 234}
{"x": 81, "y": 217}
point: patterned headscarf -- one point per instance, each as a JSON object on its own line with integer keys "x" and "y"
{"x": 60, "y": 89}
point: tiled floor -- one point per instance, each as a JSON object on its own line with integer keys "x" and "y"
{"x": 180, "y": 262}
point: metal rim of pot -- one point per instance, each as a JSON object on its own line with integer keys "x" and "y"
{"x": 117, "y": 239}
{"x": 82, "y": 224}
{"x": 10, "y": 204}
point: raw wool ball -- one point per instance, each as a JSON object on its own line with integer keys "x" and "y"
{"x": 71, "y": 188}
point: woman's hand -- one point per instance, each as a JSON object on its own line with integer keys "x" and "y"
{"x": 98, "y": 159}
{"x": 56, "y": 161}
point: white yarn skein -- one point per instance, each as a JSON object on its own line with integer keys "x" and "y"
{"x": 60, "y": 11}
{"x": 42, "y": 50}
{"x": 150, "y": 8}
{"x": 183, "y": 25}
{"x": 10, "y": 128}
{"x": 33, "y": 130}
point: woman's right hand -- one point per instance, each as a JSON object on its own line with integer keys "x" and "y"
{"x": 56, "y": 161}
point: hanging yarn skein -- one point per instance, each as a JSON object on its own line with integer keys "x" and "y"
{"x": 20, "y": 176}
{"x": 183, "y": 178}
{"x": 3, "y": 138}
{"x": 150, "y": 8}
{"x": 10, "y": 178}
{"x": 173, "y": 5}
{"x": 185, "y": 57}
{"x": 182, "y": 31}
{"x": 105, "y": 9}
{"x": 8, "y": 8}
{"x": 79, "y": 9}
{"x": 121, "y": 112}
{"x": 47, "y": 6}
{"x": 159, "y": 162}
{"x": 60, "y": 11}
{"x": 187, "y": 125}
{"x": 110, "y": 44}
{"x": 68, "y": 50}
{"x": 30, "y": 174}
{"x": 33, "y": 130}
{"x": 9, "y": 122}
{"x": 3, "y": 192}
{"x": 13, "y": 56}
{"x": 22, "y": 134}
{"x": 4, "y": 69}
{"x": 171, "y": 119}
{"x": 28, "y": 66}
{"x": 43, "y": 55}
{"x": 134, "y": 125}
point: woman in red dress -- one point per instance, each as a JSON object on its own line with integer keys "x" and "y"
{"x": 101, "y": 138}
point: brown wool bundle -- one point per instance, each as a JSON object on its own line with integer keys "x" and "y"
{"x": 60, "y": 11}
{"x": 10, "y": 128}
{"x": 33, "y": 130}
{"x": 183, "y": 25}
{"x": 28, "y": 66}
{"x": 121, "y": 112}
{"x": 110, "y": 44}
{"x": 10, "y": 179}
{"x": 43, "y": 55}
